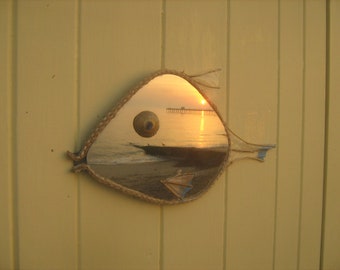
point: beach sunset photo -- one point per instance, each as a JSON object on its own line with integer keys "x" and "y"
{"x": 187, "y": 150}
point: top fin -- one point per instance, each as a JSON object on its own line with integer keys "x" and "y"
{"x": 208, "y": 80}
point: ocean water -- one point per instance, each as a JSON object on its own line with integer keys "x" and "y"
{"x": 113, "y": 146}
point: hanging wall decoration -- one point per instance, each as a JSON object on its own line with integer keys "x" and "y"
{"x": 165, "y": 142}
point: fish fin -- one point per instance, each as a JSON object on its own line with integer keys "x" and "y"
{"x": 179, "y": 185}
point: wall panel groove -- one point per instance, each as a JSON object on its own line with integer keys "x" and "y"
{"x": 77, "y": 141}
{"x": 331, "y": 213}
{"x": 227, "y": 120}
{"x": 7, "y": 130}
{"x": 313, "y": 140}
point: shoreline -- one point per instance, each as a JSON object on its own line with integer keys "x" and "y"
{"x": 188, "y": 156}
{"x": 134, "y": 169}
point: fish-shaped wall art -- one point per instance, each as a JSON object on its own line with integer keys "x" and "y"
{"x": 165, "y": 142}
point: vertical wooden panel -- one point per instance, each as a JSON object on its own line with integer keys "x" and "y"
{"x": 313, "y": 135}
{"x": 290, "y": 135}
{"x": 252, "y": 115}
{"x": 331, "y": 246}
{"x": 45, "y": 122}
{"x": 195, "y": 41}
{"x": 119, "y": 44}
{"x": 6, "y": 190}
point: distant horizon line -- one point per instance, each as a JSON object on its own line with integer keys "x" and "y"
{"x": 188, "y": 109}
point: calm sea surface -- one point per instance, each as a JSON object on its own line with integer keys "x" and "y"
{"x": 113, "y": 146}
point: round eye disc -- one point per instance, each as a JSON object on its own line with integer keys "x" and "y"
{"x": 146, "y": 124}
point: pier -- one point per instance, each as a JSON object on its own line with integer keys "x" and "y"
{"x": 186, "y": 110}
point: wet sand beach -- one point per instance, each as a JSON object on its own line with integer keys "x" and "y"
{"x": 146, "y": 177}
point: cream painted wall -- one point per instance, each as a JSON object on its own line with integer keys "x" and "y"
{"x": 65, "y": 63}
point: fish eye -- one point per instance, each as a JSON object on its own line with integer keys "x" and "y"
{"x": 146, "y": 124}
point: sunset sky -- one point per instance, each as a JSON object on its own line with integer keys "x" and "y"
{"x": 168, "y": 91}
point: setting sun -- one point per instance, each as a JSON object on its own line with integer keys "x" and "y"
{"x": 203, "y": 101}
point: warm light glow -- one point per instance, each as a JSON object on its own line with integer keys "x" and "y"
{"x": 203, "y": 101}
{"x": 202, "y": 122}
